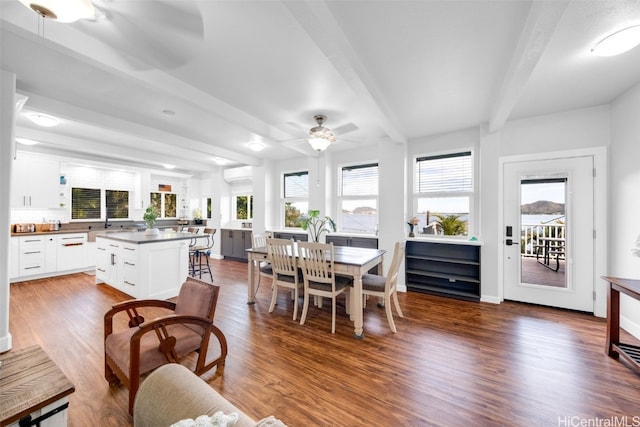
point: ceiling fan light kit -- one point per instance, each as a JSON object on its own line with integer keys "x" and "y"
{"x": 61, "y": 10}
{"x": 618, "y": 42}
{"x": 320, "y": 137}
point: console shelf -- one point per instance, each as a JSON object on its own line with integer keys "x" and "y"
{"x": 444, "y": 268}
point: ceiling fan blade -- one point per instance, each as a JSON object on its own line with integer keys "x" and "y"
{"x": 148, "y": 35}
{"x": 344, "y": 129}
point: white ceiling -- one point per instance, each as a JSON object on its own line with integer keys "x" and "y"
{"x": 240, "y": 71}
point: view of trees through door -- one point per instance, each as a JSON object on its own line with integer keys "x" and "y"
{"x": 543, "y": 231}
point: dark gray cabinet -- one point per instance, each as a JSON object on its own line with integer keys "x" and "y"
{"x": 353, "y": 241}
{"x": 234, "y": 244}
{"x": 298, "y": 237}
{"x": 447, "y": 269}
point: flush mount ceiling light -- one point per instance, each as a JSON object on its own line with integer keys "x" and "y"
{"x": 618, "y": 42}
{"x": 220, "y": 161}
{"x": 25, "y": 141}
{"x": 167, "y": 166}
{"x": 256, "y": 146}
{"x": 320, "y": 137}
{"x": 43, "y": 119}
{"x": 62, "y": 10}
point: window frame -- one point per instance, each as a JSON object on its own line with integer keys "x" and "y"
{"x": 349, "y": 198}
{"x": 250, "y": 206}
{"x": 102, "y": 202}
{"x": 284, "y": 200}
{"x": 470, "y": 194}
{"x": 163, "y": 203}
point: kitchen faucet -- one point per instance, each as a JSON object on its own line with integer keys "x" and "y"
{"x": 106, "y": 223}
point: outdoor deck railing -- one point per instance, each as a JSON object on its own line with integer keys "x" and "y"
{"x": 531, "y": 234}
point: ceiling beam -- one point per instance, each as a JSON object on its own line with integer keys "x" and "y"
{"x": 541, "y": 23}
{"x": 317, "y": 20}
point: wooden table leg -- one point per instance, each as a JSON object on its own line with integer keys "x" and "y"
{"x": 613, "y": 320}
{"x": 251, "y": 286}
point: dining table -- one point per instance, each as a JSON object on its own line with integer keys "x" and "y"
{"x": 548, "y": 247}
{"x": 348, "y": 261}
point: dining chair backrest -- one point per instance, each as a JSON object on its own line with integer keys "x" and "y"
{"x": 394, "y": 268}
{"x": 193, "y": 230}
{"x": 316, "y": 261}
{"x": 280, "y": 254}
{"x": 259, "y": 240}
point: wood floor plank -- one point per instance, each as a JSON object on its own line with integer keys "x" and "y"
{"x": 452, "y": 363}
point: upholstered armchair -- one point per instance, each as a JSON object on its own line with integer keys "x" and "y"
{"x": 146, "y": 345}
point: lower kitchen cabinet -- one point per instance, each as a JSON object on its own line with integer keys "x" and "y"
{"x": 353, "y": 241}
{"x": 44, "y": 255}
{"x": 234, "y": 244}
{"x": 298, "y": 237}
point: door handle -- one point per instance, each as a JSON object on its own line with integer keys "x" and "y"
{"x": 508, "y": 242}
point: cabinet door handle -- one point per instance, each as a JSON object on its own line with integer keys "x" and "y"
{"x": 113, "y": 259}
{"x": 101, "y": 270}
{"x": 29, "y": 200}
{"x": 101, "y": 249}
{"x": 128, "y": 263}
{"x": 31, "y": 268}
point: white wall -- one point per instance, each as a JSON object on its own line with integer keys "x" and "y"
{"x": 624, "y": 198}
{"x": 7, "y": 122}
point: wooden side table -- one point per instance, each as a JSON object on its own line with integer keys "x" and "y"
{"x": 614, "y": 348}
{"x": 30, "y": 382}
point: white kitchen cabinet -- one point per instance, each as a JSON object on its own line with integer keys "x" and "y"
{"x": 35, "y": 183}
{"x": 71, "y": 251}
{"x": 31, "y": 255}
{"x": 50, "y": 253}
{"x": 142, "y": 193}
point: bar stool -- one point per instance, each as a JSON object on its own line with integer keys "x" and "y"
{"x": 199, "y": 254}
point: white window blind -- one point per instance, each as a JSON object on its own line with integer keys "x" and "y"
{"x": 85, "y": 203}
{"x": 444, "y": 173}
{"x": 117, "y": 203}
{"x": 296, "y": 185}
{"x": 360, "y": 180}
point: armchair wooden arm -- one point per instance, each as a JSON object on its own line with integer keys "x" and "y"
{"x": 131, "y": 307}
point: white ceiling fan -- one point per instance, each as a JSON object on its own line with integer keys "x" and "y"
{"x": 319, "y": 137}
{"x": 160, "y": 34}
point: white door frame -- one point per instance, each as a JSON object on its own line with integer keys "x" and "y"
{"x": 600, "y": 199}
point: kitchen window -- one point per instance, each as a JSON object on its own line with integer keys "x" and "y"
{"x": 358, "y": 198}
{"x": 244, "y": 207}
{"x": 295, "y": 198}
{"x": 87, "y": 203}
{"x": 443, "y": 193}
{"x": 165, "y": 204}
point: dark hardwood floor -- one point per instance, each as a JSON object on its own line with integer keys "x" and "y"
{"x": 452, "y": 363}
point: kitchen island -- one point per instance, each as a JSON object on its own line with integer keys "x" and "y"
{"x": 143, "y": 266}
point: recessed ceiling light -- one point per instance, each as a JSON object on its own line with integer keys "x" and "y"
{"x": 43, "y": 119}
{"x": 25, "y": 141}
{"x": 220, "y": 160}
{"x": 618, "y": 42}
{"x": 169, "y": 166}
{"x": 256, "y": 146}
{"x": 169, "y": 113}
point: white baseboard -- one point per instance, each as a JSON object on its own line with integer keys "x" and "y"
{"x": 490, "y": 299}
{"x": 630, "y": 326}
{"x": 5, "y": 343}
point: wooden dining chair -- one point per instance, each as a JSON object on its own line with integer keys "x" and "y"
{"x": 259, "y": 240}
{"x": 316, "y": 262}
{"x": 285, "y": 271}
{"x": 385, "y": 287}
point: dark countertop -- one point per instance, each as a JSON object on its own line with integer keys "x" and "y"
{"x": 40, "y": 233}
{"x": 140, "y": 238}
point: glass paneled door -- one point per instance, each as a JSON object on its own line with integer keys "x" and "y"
{"x": 548, "y": 232}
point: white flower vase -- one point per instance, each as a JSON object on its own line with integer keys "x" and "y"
{"x": 151, "y": 232}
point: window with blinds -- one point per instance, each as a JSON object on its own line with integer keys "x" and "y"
{"x": 443, "y": 195}
{"x": 358, "y": 198}
{"x": 85, "y": 203}
{"x": 117, "y": 203}
{"x": 444, "y": 173}
{"x": 295, "y": 198}
{"x": 165, "y": 204}
{"x": 359, "y": 180}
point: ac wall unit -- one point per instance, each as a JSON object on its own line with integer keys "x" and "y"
{"x": 243, "y": 173}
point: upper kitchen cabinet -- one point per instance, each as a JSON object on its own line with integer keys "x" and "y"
{"x": 35, "y": 183}
{"x": 142, "y": 190}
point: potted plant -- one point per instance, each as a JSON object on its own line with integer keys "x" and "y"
{"x": 149, "y": 217}
{"x": 316, "y": 225}
{"x": 451, "y": 225}
{"x": 197, "y": 216}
